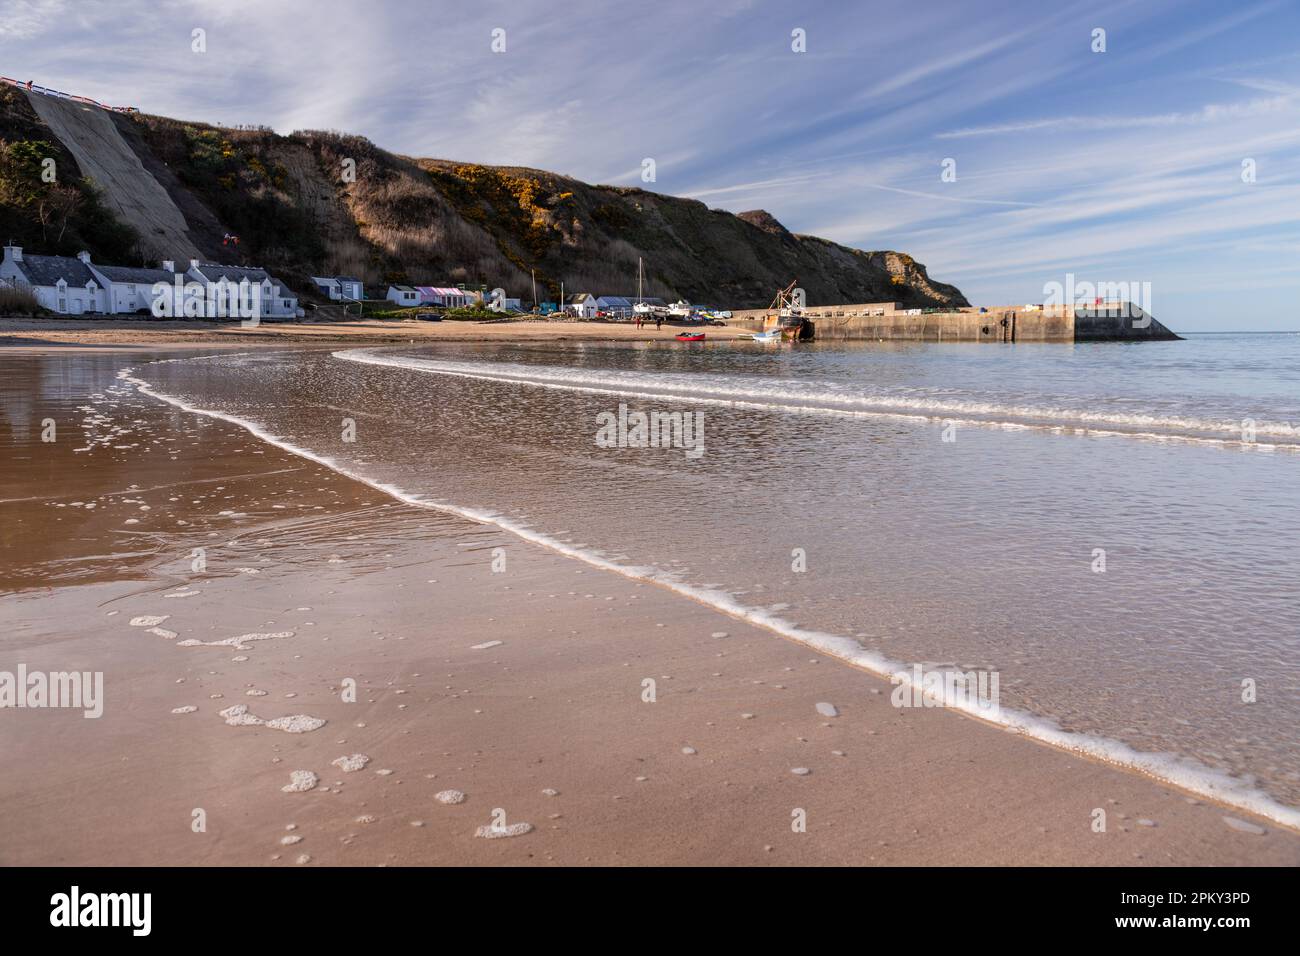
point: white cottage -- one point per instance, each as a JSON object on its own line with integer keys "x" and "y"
{"x": 583, "y": 305}
{"x": 403, "y": 295}
{"x": 222, "y": 283}
{"x": 131, "y": 291}
{"x": 60, "y": 283}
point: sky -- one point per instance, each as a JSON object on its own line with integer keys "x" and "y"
{"x": 1170, "y": 157}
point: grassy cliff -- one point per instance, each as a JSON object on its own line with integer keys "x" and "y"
{"x": 317, "y": 202}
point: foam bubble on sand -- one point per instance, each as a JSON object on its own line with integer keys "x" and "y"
{"x": 239, "y": 643}
{"x": 366, "y": 818}
{"x": 1243, "y": 826}
{"x": 148, "y": 620}
{"x": 300, "y": 781}
{"x": 162, "y": 632}
{"x": 485, "y": 645}
{"x": 800, "y": 771}
{"x": 304, "y": 858}
{"x": 187, "y": 709}
{"x": 238, "y": 716}
{"x": 689, "y": 751}
{"x": 719, "y": 634}
{"x": 492, "y": 832}
{"x": 384, "y": 773}
{"x": 296, "y": 724}
{"x": 352, "y": 763}
{"x": 827, "y": 710}
{"x": 449, "y": 796}
{"x": 182, "y": 594}
{"x": 253, "y": 692}
{"x": 550, "y": 792}
{"x": 290, "y": 840}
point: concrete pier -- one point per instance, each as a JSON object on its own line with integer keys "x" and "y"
{"x": 886, "y": 321}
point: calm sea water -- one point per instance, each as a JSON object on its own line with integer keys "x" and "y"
{"x": 1113, "y": 529}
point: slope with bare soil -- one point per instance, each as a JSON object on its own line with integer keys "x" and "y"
{"x": 129, "y": 190}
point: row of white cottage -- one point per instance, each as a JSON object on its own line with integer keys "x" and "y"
{"x": 76, "y": 286}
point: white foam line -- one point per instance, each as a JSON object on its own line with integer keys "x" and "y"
{"x": 938, "y": 412}
{"x": 1180, "y": 772}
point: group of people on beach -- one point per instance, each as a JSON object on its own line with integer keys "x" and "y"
{"x": 659, "y": 321}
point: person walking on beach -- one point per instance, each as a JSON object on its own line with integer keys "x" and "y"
{"x": 659, "y": 321}
{"x": 638, "y": 321}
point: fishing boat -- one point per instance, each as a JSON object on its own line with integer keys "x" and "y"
{"x": 689, "y": 336}
{"x": 773, "y": 335}
{"x": 681, "y": 309}
{"x": 785, "y": 316}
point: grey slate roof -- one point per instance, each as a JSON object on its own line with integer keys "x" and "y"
{"x": 140, "y": 276}
{"x": 213, "y": 272}
{"x": 48, "y": 270}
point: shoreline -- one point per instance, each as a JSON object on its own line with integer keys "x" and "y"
{"x": 563, "y": 691}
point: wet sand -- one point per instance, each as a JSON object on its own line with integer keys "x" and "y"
{"x": 151, "y": 333}
{"x": 550, "y": 726}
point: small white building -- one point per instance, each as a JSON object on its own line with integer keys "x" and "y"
{"x": 403, "y": 295}
{"x": 62, "y": 284}
{"x": 583, "y": 305}
{"x": 340, "y": 288}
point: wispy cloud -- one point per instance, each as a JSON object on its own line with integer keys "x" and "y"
{"x": 1210, "y": 113}
{"x": 25, "y": 19}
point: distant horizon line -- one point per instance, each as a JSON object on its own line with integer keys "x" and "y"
{"x": 1246, "y": 332}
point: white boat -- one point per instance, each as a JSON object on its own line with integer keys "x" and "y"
{"x": 771, "y": 335}
{"x": 681, "y": 309}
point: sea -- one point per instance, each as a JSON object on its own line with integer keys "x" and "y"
{"x": 1111, "y": 529}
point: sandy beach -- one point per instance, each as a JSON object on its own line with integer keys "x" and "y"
{"x": 117, "y": 330}
{"x": 496, "y": 682}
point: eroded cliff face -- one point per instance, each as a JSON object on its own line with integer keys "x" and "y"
{"x": 315, "y": 203}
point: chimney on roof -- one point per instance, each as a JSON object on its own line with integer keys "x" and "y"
{"x": 169, "y": 265}
{"x": 84, "y": 256}
{"x": 13, "y": 253}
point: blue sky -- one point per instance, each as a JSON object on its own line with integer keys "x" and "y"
{"x": 1117, "y": 166}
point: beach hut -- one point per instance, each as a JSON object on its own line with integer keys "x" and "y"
{"x": 403, "y": 295}
{"x": 583, "y": 305}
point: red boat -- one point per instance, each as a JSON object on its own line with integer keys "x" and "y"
{"x": 690, "y": 336}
